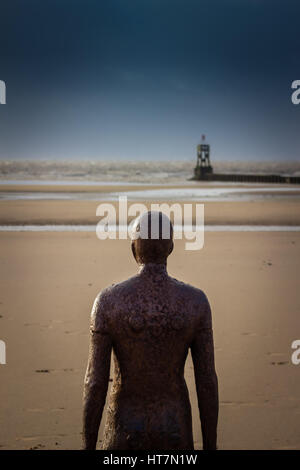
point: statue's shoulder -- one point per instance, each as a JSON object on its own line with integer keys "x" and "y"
{"x": 111, "y": 292}
{"x": 195, "y": 301}
{"x": 108, "y": 301}
{"x": 117, "y": 290}
{"x": 99, "y": 312}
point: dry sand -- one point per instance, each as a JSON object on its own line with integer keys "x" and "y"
{"x": 48, "y": 284}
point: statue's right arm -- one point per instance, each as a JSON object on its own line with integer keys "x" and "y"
{"x": 96, "y": 377}
{"x": 202, "y": 350}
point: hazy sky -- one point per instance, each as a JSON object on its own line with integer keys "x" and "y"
{"x": 143, "y": 79}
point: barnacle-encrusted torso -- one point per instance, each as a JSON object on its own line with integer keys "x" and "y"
{"x": 151, "y": 319}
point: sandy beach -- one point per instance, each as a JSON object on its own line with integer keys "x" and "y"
{"x": 109, "y": 109}
{"x": 48, "y": 284}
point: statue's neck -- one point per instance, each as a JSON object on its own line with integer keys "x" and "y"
{"x": 153, "y": 269}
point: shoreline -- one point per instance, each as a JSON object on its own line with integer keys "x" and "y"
{"x": 108, "y": 187}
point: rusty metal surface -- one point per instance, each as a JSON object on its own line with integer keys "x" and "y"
{"x": 150, "y": 321}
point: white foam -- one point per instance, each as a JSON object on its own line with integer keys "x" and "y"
{"x": 204, "y": 194}
{"x": 207, "y": 193}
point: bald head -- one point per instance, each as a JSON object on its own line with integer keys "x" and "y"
{"x": 152, "y": 238}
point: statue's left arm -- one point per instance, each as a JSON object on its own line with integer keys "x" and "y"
{"x": 96, "y": 377}
{"x": 206, "y": 380}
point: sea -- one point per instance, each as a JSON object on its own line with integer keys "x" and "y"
{"x": 148, "y": 172}
{"x": 131, "y": 173}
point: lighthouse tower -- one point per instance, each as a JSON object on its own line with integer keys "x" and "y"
{"x": 203, "y": 167}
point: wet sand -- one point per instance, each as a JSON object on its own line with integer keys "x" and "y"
{"x": 265, "y": 212}
{"x": 49, "y": 282}
{"x": 105, "y": 187}
{"x": 273, "y": 208}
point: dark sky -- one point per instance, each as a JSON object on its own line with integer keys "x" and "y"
{"x": 143, "y": 79}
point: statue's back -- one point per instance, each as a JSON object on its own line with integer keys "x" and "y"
{"x": 149, "y": 322}
{"x": 151, "y": 319}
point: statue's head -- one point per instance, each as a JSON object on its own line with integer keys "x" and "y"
{"x": 152, "y": 238}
